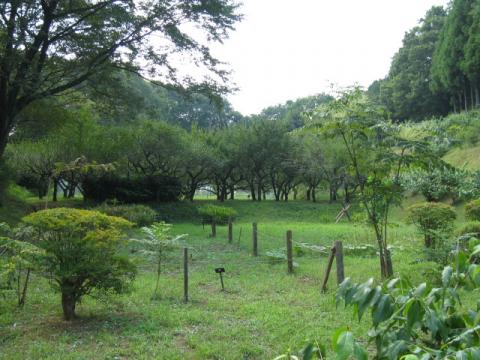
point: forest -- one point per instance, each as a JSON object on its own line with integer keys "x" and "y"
{"x": 142, "y": 216}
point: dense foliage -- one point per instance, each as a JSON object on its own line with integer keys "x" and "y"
{"x": 472, "y": 210}
{"x": 140, "y": 215}
{"x": 82, "y": 252}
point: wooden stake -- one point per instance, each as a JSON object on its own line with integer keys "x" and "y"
{"x": 185, "y": 273}
{"x": 255, "y": 239}
{"x": 329, "y": 268}
{"x": 214, "y": 228}
{"x": 289, "y": 252}
{"x": 230, "y": 230}
{"x": 340, "y": 269}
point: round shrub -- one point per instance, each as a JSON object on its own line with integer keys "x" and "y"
{"x": 141, "y": 215}
{"x": 472, "y": 227}
{"x": 82, "y": 252}
{"x": 472, "y": 210}
{"x": 433, "y": 220}
{"x": 218, "y": 214}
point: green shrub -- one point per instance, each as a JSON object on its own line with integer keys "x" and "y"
{"x": 472, "y": 227}
{"x": 472, "y": 210}
{"x": 141, "y": 215}
{"x": 82, "y": 252}
{"x": 217, "y": 214}
{"x": 434, "y": 220}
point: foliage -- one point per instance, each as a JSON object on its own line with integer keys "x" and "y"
{"x": 156, "y": 242}
{"x": 110, "y": 186}
{"x": 81, "y": 252}
{"x": 471, "y": 228}
{"x": 18, "y": 258}
{"x": 140, "y": 215}
{"x": 218, "y": 214}
{"x": 433, "y": 220}
{"x": 423, "y": 321}
{"x": 377, "y": 151}
{"x": 472, "y": 210}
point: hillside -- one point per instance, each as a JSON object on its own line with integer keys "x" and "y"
{"x": 468, "y": 157}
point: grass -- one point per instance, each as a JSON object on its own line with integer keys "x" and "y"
{"x": 263, "y": 312}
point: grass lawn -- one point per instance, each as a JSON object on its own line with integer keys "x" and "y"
{"x": 263, "y": 312}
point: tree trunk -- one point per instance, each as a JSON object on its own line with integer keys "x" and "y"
{"x": 477, "y": 96}
{"x": 314, "y": 197}
{"x": 252, "y": 192}
{"x": 259, "y": 192}
{"x": 55, "y": 190}
{"x": 68, "y": 306}
{"x": 308, "y": 193}
{"x": 4, "y": 129}
{"x": 232, "y": 192}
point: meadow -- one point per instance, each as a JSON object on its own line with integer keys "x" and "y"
{"x": 263, "y": 311}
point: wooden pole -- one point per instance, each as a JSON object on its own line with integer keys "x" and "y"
{"x": 289, "y": 252}
{"x": 255, "y": 239}
{"x": 230, "y": 230}
{"x": 340, "y": 268}
{"x": 185, "y": 273}
{"x": 214, "y": 228}
{"x": 329, "y": 268}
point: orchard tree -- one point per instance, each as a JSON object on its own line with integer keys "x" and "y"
{"x": 50, "y": 46}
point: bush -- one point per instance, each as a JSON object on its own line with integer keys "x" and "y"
{"x": 472, "y": 210}
{"x": 141, "y": 215}
{"x": 217, "y": 214}
{"x": 472, "y": 227}
{"x": 434, "y": 220}
{"x": 81, "y": 252}
{"x": 131, "y": 190}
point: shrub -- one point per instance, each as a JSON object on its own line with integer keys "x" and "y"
{"x": 472, "y": 210}
{"x": 434, "y": 220}
{"x": 217, "y": 214}
{"x": 472, "y": 227}
{"x": 131, "y": 190}
{"x": 141, "y": 215}
{"x": 81, "y": 252}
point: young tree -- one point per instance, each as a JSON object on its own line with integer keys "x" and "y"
{"x": 377, "y": 154}
{"x": 48, "y": 47}
{"x": 82, "y": 252}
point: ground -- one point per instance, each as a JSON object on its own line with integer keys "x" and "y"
{"x": 263, "y": 312}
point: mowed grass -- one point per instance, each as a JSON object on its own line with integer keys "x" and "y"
{"x": 464, "y": 157}
{"x": 263, "y": 312}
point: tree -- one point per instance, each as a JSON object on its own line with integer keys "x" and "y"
{"x": 49, "y": 47}
{"x": 82, "y": 252}
{"x": 408, "y": 85}
{"x": 377, "y": 153}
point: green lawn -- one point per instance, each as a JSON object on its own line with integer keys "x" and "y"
{"x": 263, "y": 312}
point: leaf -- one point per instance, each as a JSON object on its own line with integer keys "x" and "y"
{"x": 383, "y": 310}
{"x": 415, "y": 312}
{"x": 345, "y": 346}
{"x": 447, "y": 275}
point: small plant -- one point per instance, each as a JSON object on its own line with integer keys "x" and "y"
{"x": 434, "y": 220}
{"x": 156, "y": 242}
{"x": 141, "y": 215}
{"x": 472, "y": 210}
{"x": 81, "y": 252}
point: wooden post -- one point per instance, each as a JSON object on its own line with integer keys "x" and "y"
{"x": 329, "y": 268}
{"x": 340, "y": 269}
{"x": 185, "y": 273}
{"x": 289, "y": 252}
{"x": 230, "y": 230}
{"x": 214, "y": 228}
{"x": 255, "y": 239}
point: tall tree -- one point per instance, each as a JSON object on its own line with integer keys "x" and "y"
{"x": 50, "y": 46}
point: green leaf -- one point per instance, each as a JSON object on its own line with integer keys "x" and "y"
{"x": 345, "y": 346}
{"x": 447, "y": 275}
{"x": 383, "y": 310}
{"x": 415, "y": 312}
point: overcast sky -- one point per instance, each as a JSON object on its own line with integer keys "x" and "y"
{"x": 286, "y": 49}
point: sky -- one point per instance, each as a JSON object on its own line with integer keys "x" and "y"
{"x": 284, "y": 49}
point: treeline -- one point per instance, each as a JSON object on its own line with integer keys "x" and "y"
{"x": 64, "y": 150}
{"x": 437, "y": 70}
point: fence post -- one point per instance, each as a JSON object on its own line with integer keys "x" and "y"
{"x": 255, "y": 239}
{"x": 340, "y": 268}
{"x": 331, "y": 257}
{"x": 185, "y": 273}
{"x": 289, "y": 252}
{"x": 230, "y": 230}
{"x": 214, "y": 228}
